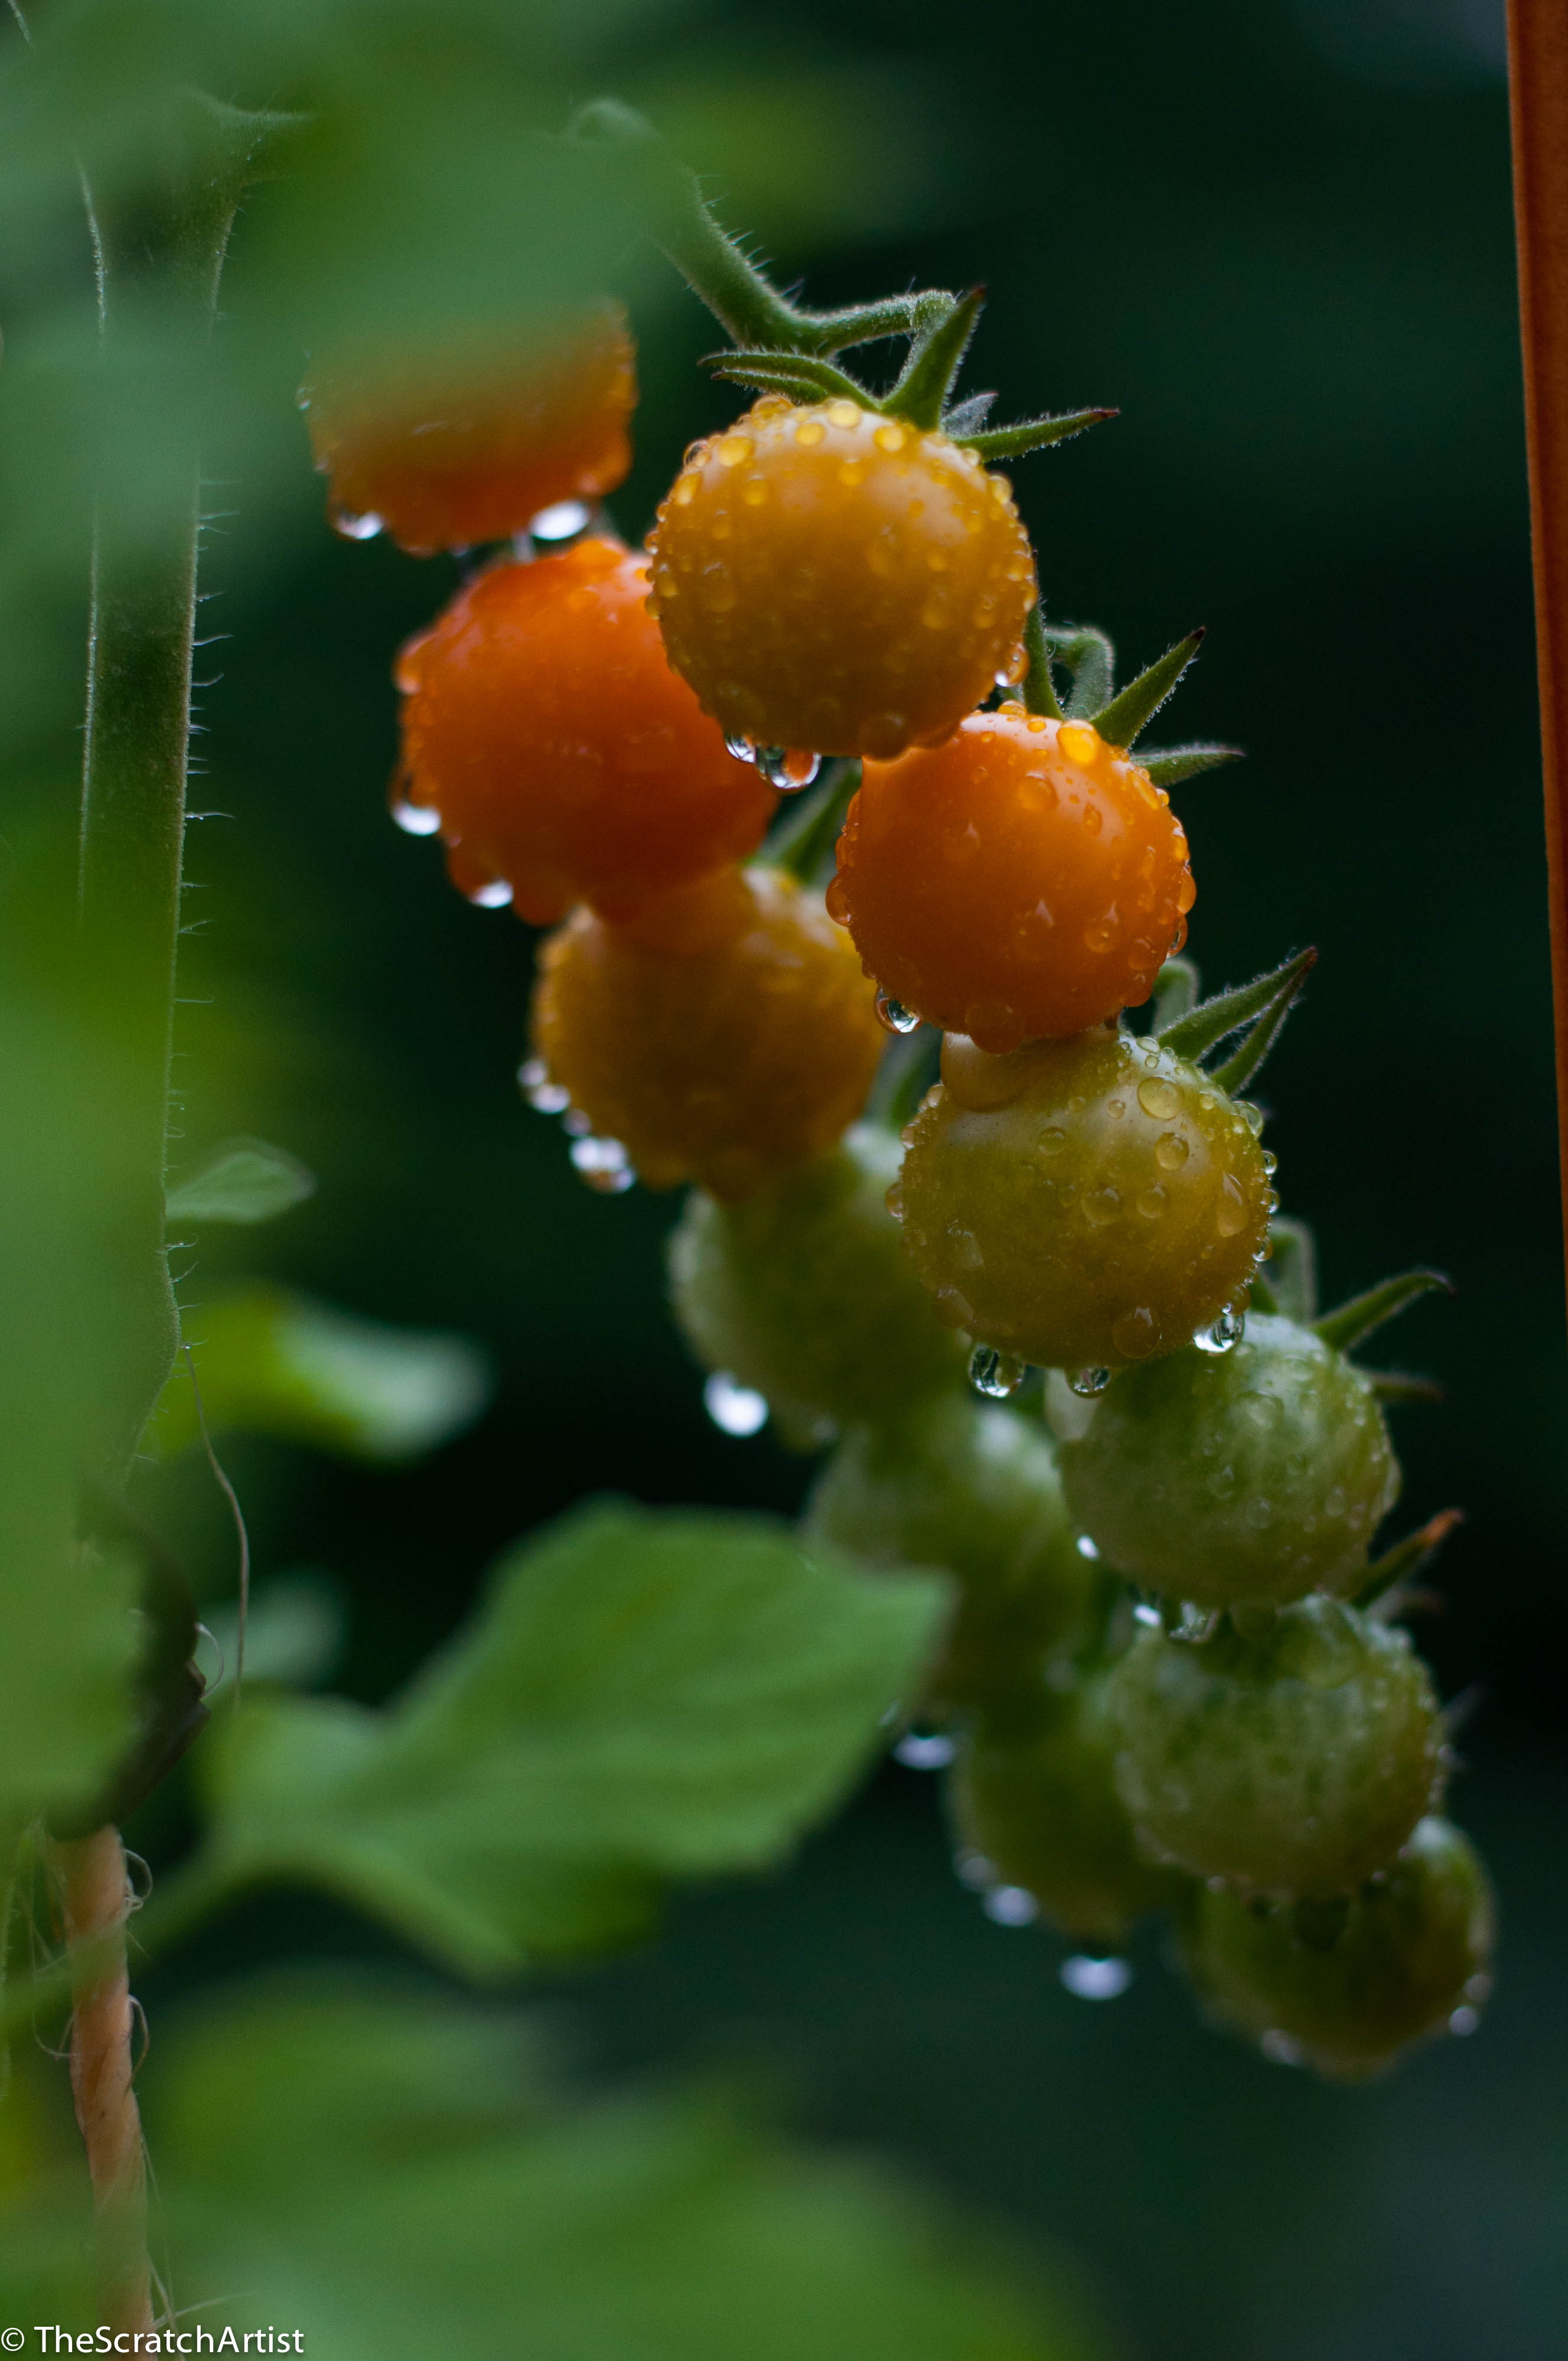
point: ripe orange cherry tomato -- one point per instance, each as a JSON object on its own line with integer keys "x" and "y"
{"x": 565, "y": 759}
{"x": 1024, "y": 880}
{"x": 463, "y": 450}
{"x": 831, "y": 579}
{"x": 724, "y": 1036}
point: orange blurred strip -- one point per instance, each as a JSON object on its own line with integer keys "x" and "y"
{"x": 1537, "y": 54}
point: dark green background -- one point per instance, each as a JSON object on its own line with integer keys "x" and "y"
{"x": 1279, "y": 238}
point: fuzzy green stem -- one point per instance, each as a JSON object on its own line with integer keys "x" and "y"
{"x": 159, "y": 268}
{"x": 1039, "y": 688}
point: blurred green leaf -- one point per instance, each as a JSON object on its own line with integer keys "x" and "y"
{"x": 395, "y": 2176}
{"x": 642, "y": 1697}
{"x": 294, "y": 1632}
{"x": 244, "y": 1181}
{"x": 276, "y": 1362}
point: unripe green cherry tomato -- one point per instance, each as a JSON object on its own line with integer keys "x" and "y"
{"x": 972, "y": 1488}
{"x": 805, "y": 1292}
{"x": 1259, "y": 1474}
{"x": 1040, "y": 1805}
{"x": 1294, "y": 1763}
{"x": 1346, "y": 1989}
{"x": 1084, "y": 1203}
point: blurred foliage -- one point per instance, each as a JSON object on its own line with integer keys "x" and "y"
{"x": 640, "y": 1698}
{"x": 383, "y": 2171}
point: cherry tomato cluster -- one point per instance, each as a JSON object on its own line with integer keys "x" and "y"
{"x": 1175, "y": 1678}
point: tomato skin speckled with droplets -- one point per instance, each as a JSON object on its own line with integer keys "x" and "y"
{"x": 806, "y": 1293}
{"x": 1259, "y": 1474}
{"x": 723, "y": 1037}
{"x": 826, "y": 578}
{"x": 1024, "y": 880}
{"x": 1295, "y": 1762}
{"x": 563, "y": 756}
{"x": 1346, "y": 1991}
{"x": 463, "y": 449}
{"x": 1084, "y": 1203}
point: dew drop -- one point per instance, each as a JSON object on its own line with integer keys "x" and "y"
{"x": 1224, "y": 1333}
{"x": 1135, "y": 1334}
{"x": 894, "y": 1015}
{"x": 356, "y": 528}
{"x": 734, "y": 1409}
{"x": 544, "y": 1096}
{"x": 495, "y": 894}
{"x": 924, "y": 1750}
{"x": 1011, "y": 1906}
{"x": 1149, "y": 1617}
{"x": 739, "y": 749}
{"x": 1087, "y": 1978}
{"x": 604, "y": 1164}
{"x": 1230, "y": 1215}
{"x": 997, "y": 1375}
{"x": 1172, "y": 1152}
{"x": 562, "y": 520}
{"x": 1088, "y": 1382}
{"x": 1160, "y": 1098}
{"x": 973, "y": 1869}
{"x": 1281, "y": 2048}
{"x": 1465, "y": 2021}
{"x": 1087, "y": 1548}
{"x": 414, "y": 820}
{"x": 787, "y": 768}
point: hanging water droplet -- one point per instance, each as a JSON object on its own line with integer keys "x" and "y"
{"x": 1149, "y": 1617}
{"x": 1087, "y": 1548}
{"x": 1087, "y": 1978}
{"x": 924, "y": 1750}
{"x": 787, "y": 768}
{"x": 563, "y": 521}
{"x": 414, "y": 820}
{"x": 998, "y": 1376}
{"x": 576, "y": 1123}
{"x": 356, "y": 528}
{"x": 604, "y": 1164}
{"x": 544, "y": 1096}
{"x": 740, "y": 749}
{"x": 973, "y": 1869}
{"x": 1281, "y": 2048}
{"x": 1011, "y": 1906}
{"x": 1089, "y": 1382}
{"x": 734, "y": 1409}
{"x": 495, "y": 894}
{"x": 1465, "y": 2020}
{"x": 1227, "y": 1331}
{"x": 894, "y": 1015}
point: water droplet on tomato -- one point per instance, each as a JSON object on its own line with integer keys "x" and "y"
{"x": 414, "y": 820}
{"x": 998, "y": 1376}
{"x": 787, "y": 768}
{"x": 356, "y": 528}
{"x": 603, "y": 1165}
{"x": 734, "y": 1409}
{"x": 924, "y": 1750}
{"x": 1089, "y": 1382}
{"x": 894, "y": 1015}
{"x": 1089, "y": 1978}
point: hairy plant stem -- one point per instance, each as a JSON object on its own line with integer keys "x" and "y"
{"x": 95, "y": 1900}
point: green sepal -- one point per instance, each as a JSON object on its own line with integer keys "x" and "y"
{"x": 1174, "y": 994}
{"x": 1121, "y": 721}
{"x": 1402, "y": 1564}
{"x": 935, "y": 361}
{"x": 1090, "y": 658}
{"x": 1245, "y": 1062}
{"x": 801, "y": 378}
{"x": 803, "y": 837}
{"x": 1292, "y": 1270}
{"x": 1396, "y": 1386}
{"x": 1031, "y": 434}
{"x": 1038, "y": 689}
{"x": 1346, "y": 1327}
{"x": 1181, "y": 763}
{"x": 244, "y": 1181}
{"x": 1189, "y": 1036}
{"x": 966, "y": 417}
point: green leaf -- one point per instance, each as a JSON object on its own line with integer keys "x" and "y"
{"x": 398, "y": 2176}
{"x": 1181, "y": 762}
{"x": 1245, "y": 1062}
{"x": 276, "y": 1363}
{"x": 1127, "y": 714}
{"x": 935, "y": 361}
{"x": 244, "y": 1181}
{"x": 1031, "y": 434}
{"x": 1346, "y": 1327}
{"x": 801, "y": 378}
{"x": 642, "y": 1697}
{"x": 1212, "y": 1020}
